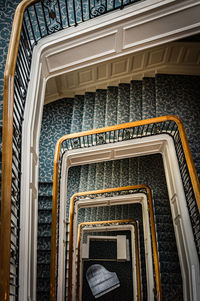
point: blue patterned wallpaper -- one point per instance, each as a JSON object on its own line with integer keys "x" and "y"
{"x": 7, "y": 10}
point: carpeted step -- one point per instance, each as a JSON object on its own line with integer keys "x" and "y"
{"x": 43, "y": 287}
{"x": 44, "y": 217}
{"x": 44, "y": 230}
{"x": 107, "y": 184}
{"x": 44, "y": 237}
{"x": 168, "y": 256}
{"x": 133, "y": 171}
{"x": 179, "y": 95}
{"x": 165, "y": 235}
{"x": 111, "y": 106}
{"x": 56, "y": 122}
{"x": 162, "y": 209}
{"x": 116, "y": 173}
{"x": 171, "y": 267}
{"x": 168, "y": 227}
{"x": 170, "y": 278}
{"x": 148, "y": 98}
{"x": 164, "y": 246}
{"x": 77, "y": 116}
{"x": 151, "y": 172}
{"x": 99, "y": 185}
{"x": 172, "y": 292}
{"x": 124, "y": 172}
{"x": 123, "y": 109}
{"x": 83, "y": 184}
{"x": 99, "y": 109}
{"x": 45, "y": 189}
{"x": 91, "y": 212}
{"x": 103, "y": 108}
{"x": 88, "y": 111}
{"x": 44, "y": 272}
{"x": 163, "y": 218}
{"x": 74, "y": 174}
{"x": 43, "y": 296}
{"x": 135, "y": 100}
{"x": 83, "y": 178}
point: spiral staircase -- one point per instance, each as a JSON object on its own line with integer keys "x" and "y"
{"x": 115, "y": 167}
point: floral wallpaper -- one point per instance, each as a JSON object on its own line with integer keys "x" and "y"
{"x": 7, "y": 10}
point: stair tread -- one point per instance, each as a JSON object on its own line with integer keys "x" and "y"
{"x": 111, "y": 106}
{"x": 77, "y": 116}
{"x": 99, "y": 109}
{"x": 123, "y": 103}
{"x": 88, "y": 111}
{"x": 135, "y": 100}
{"x": 148, "y": 98}
{"x": 127, "y": 102}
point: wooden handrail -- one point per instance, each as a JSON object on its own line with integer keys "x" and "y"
{"x": 129, "y": 221}
{"x": 7, "y": 138}
{"x": 7, "y": 142}
{"x": 183, "y": 136}
{"x": 153, "y": 233}
{"x": 186, "y": 150}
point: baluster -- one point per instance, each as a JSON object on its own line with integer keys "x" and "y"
{"x": 23, "y": 67}
{"x": 60, "y": 14}
{"x": 31, "y": 25}
{"x": 89, "y": 9}
{"x": 25, "y": 60}
{"x": 27, "y": 36}
{"x": 74, "y": 10}
{"x": 38, "y": 22}
{"x": 45, "y": 20}
{"x": 66, "y": 5}
{"x": 82, "y": 18}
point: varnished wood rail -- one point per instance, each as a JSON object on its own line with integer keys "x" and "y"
{"x": 71, "y": 234}
{"x": 157, "y": 120}
{"x": 7, "y": 152}
{"x": 7, "y": 148}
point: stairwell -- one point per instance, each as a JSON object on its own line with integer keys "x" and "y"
{"x": 165, "y": 94}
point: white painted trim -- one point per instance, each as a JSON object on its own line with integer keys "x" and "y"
{"x": 143, "y": 12}
{"x": 126, "y": 199}
{"x": 29, "y": 185}
{"x": 149, "y": 145}
{"x": 115, "y": 228}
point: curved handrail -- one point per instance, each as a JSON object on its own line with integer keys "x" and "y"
{"x": 8, "y": 135}
{"x": 128, "y": 221}
{"x": 157, "y": 120}
{"x": 7, "y": 151}
{"x": 185, "y": 144}
{"x": 71, "y": 219}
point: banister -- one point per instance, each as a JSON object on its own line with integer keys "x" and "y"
{"x": 128, "y": 221}
{"x": 13, "y": 83}
{"x": 7, "y": 151}
{"x": 71, "y": 230}
{"x": 156, "y": 120}
{"x": 15, "y": 37}
{"x": 185, "y": 144}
